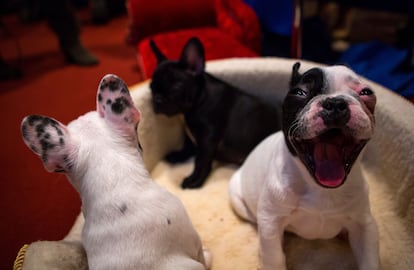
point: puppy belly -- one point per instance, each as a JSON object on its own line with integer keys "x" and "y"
{"x": 314, "y": 226}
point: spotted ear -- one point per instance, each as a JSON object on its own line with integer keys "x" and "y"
{"x": 115, "y": 105}
{"x": 50, "y": 140}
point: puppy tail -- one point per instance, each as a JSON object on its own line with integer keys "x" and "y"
{"x": 236, "y": 198}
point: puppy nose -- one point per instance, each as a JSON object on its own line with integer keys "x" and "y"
{"x": 336, "y": 111}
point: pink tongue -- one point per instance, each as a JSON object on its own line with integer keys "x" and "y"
{"x": 329, "y": 169}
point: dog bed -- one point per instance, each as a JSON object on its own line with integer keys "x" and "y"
{"x": 388, "y": 166}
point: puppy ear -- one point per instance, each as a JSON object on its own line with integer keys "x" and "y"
{"x": 115, "y": 105}
{"x": 50, "y": 140}
{"x": 158, "y": 54}
{"x": 193, "y": 55}
{"x": 295, "y": 78}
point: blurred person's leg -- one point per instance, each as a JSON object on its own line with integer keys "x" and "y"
{"x": 62, "y": 20}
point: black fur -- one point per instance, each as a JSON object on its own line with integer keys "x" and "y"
{"x": 225, "y": 122}
{"x": 303, "y": 87}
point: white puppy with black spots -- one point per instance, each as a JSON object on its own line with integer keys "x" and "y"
{"x": 307, "y": 178}
{"x": 130, "y": 221}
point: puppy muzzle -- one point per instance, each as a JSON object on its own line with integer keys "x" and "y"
{"x": 331, "y": 152}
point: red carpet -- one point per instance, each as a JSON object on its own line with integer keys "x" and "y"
{"x": 36, "y": 205}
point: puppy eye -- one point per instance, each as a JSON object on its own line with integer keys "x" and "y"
{"x": 366, "y": 92}
{"x": 298, "y": 92}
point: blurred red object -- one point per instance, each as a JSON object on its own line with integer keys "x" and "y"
{"x": 227, "y": 28}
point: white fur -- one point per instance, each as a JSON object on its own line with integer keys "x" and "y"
{"x": 130, "y": 221}
{"x": 274, "y": 190}
{"x": 114, "y": 178}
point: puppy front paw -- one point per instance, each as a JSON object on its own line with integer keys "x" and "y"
{"x": 192, "y": 182}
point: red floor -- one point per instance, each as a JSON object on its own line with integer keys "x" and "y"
{"x": 37, "y": 205}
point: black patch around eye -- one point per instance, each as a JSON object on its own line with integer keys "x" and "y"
{"x": 313, "y": 79}
{"x": 99, "y": 98}
{"x": 297, "y": 92}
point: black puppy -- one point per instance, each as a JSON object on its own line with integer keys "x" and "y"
{"x": 224, "y": 123}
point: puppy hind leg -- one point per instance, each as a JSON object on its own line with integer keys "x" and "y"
{"x": 207, "y": 257}
{"x": 236, "y": 198}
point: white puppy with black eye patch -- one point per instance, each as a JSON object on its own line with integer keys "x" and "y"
{"x": 130, "y": 221}
{"x": 307, "y": 178}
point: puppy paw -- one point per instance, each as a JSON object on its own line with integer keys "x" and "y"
{"x": 192, "y": 182}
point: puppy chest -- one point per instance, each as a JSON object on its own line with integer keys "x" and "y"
{"x": 315, "y": 224}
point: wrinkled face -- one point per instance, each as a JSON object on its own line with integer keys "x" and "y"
{"x": 328, "y": 118}
{"x": 173, "y": 88}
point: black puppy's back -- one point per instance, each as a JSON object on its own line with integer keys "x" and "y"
{"x": 240, "y": 120}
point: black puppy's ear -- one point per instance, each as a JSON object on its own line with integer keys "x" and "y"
{"x": 295, "y": 74}
{"x": 193, "y": 55}
{"x": 158, "y": 54}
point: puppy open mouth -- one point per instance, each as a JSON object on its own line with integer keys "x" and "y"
{"x": 329, "y": 156}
